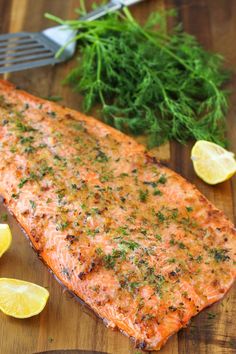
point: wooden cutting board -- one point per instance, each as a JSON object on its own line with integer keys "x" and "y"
{"x": 65, "y": 323}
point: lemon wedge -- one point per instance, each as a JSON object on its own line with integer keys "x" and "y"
{"x": 21, "y": 299}
{"x": 212, "y": 163}
{"x": 5, "y": 238}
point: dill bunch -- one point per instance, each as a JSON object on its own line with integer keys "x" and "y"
{"x": 147, "y": 81}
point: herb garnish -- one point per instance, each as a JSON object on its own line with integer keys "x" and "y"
{"x": 23, "y": 127}
{"x": 158, "y": 237}
{"x": 111, "y": 259}
{"x": 13, "y": 149}
{"x": 161, "y": 217}
{"x": 33, "y": 204}
{"x": 26, "y": 139}
{"x": 143, "y": 195}
{"x": 101, "y": 156}
{"x": 122, "y": 230}
{"x": 99, "y": 251}
{"x": 132, "y": 245}
{"x": 62, "y": 225}
{"x": 146, "y": 80}
{"x": 220, "y": 255}
{"x": 199, "y": 259}
{"x": 22, "y": 182}
{"x": 29, "y": 149}
{"x": 157, "y": 192}
{"x": 189, "y": 209}
{"x": 162, "y": 179}
{"x": 181, "y": 245}
{"x": 44, "y": 170}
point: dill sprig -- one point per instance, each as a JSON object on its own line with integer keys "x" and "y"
{"x": 147, "y": 81}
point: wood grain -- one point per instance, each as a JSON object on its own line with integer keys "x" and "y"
{"x": 66, "y": 324}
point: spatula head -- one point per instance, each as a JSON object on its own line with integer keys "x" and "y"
{"x": 25, "y": 50}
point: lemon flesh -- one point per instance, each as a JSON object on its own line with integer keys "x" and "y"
{"x": 5, "y": 238}
{"x": 21, "y": 299}
{"x": 212, "y": 163}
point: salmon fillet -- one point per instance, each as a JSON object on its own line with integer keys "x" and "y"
{"x": 134, "y": 240}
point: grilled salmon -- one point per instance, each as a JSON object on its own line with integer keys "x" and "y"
{"x": 134, "y": 240}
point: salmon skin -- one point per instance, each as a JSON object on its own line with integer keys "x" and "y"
{"x": 134, "y": 240}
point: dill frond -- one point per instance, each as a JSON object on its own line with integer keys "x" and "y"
{"x": 147, "y": 81}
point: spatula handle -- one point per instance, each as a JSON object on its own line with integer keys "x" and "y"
{"x": 112, "y": 6}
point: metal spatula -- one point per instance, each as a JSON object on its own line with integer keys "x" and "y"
{"x": 25, "y": 50}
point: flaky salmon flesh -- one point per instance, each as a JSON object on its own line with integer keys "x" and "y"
{"x": 135, "y": 241}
